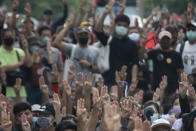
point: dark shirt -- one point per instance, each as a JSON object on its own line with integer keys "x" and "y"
{"x": 122, "y": 52}
{"x": 166, "y": 63}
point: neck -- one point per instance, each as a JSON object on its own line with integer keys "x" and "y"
{"x": 83, "y": 46}
{"x": 165, "y": 50}
{"x": 8, "y": 48}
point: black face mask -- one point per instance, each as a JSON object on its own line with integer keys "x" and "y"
{"x": 83, "y": 41}
{"x": 9, "y": 41}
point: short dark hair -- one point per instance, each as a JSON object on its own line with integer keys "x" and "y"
{"x": 122, "y": 18}
{"x": 22, "y": 106}
{"x": 66, "y": 125}
{"x": 43, "y": 28}
{"x": 172, "y": 29}
{"x": 7, "y": 30}
{"x": 48, "y": 12}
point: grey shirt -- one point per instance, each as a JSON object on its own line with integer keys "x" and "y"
{"x": 89, "y": 54}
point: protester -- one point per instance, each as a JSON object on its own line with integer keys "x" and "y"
{"x": 136, "y": 87}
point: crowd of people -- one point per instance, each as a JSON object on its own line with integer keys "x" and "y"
{"x": 77, "y": 74}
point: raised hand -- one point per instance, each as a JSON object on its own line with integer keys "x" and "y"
{"x": 183, "y": 85}
{"x": 28, "y": 9}
{"x": 56, "y": 101}
{"x": 71, "y": 74}
{"x": 156, "y": 95}
{"x": 66, "y": 88}
{"x": 79, "y": 82}
{"x": 6, "y": 123}
{"x": 138, "y": 124}
{"x": 109, "y": 7}
{"x": 122, "y": 6}
{"x": 104, "y": 95}
{"x": 70, "y": 19}
{"x": 111, "y": 117}
{"x": 42, "y": 85}
{"x": 81, "y": 110}
{"x": 100, "y": 84}
{"x": 89, "y": 82}
{"x": 163, "y": 83}
{"x": 114, "y": 93}
{"x": 126, "y": 106}
{"x": 17, "y": 86}
{"x": 15, "y": 5}
{"x": 2, "y": 16}
{"x": 24, "y": 41}
{"x": 155, "y": 11}
{"x": 25, "y": 124}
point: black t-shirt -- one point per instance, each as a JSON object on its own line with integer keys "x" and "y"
{"x": 122, "y": 52}
{"x": 166, "y": 63}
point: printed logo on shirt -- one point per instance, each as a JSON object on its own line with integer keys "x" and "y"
{"x": 169, "y": 60}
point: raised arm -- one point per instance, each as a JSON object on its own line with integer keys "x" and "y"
{"x": 122, "y": 7}
{"x": 28, "y": 19}
{"x": 15, "y": 5}
{"x": 57, "y": 42}
{"x": 107, "y": 10}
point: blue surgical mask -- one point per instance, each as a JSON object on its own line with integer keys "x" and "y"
{"x": 154, "y": 117}
{"x": 191, "y": 35}
{"x": 34, "y": 48}
{"x": 42, "y": 122}
{"x": 121, "y": 30}
{"x": 176, "y": 110}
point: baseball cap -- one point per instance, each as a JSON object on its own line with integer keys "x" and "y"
{"x": 86, "y": 23}
{"x": 160, "y": 122}
{"x": 48, "y": 109}
{"x": 34, "y": 41}
{"x": 36, "y": 108}
{"x": 83, "y": 29}
{"x": 164, "y": 33}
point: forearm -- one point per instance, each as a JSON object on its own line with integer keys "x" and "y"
{"x": 148, "y": 21}
{"x": 59, "y": 38}
{"x": 18, "y": 97}
{"x": 99, "y": 25}
{"x": 134, "y": 72}
{"x": 50, "y": 61}
{"x": 87, "y": 98}
{"x": 69, "y": 105}
{"x": 78, "y": 95}
{"x": 45, "y": 98}
{"x": 14, "y": 20}
{"x": 11, "y": 67}
{"x": 28, "y": 59}
{"x": 93, "y": 120}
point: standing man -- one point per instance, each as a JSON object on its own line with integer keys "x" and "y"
{"x": 167, "y": 62}
{"x": 123, "y": 51}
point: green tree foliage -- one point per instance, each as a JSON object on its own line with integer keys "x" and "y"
{"x": 38, "y": 6}
{"x": 178, "y": 6}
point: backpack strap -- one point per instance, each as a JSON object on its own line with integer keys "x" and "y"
{"x": 18, "y": 56}
{"x": 182, "y": 49}
{"x": 73, "y": 52}
{"x": 109, "y": 40}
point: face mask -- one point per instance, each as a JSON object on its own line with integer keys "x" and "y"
{"x": 46, "y": 40}
{"x": 154, "y": 117}
{"x": 41, "y": 122}
{"x": 176, "y": 110}
{"x": 120, "y": 30}
{"x": 83, "y": 41}
{"x": 191, "y": 35}
{"x": 34, "y": 48}
{"x": 134, "y": 36}
{"x": 8, "y": 41}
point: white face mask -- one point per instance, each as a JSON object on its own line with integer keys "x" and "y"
{"x": 135, "y": 37}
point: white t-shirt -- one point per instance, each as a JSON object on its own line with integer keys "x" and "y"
{"x": 188, "y": 56}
